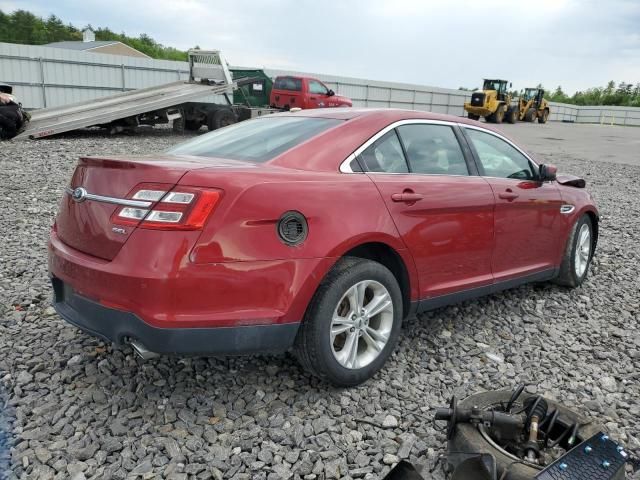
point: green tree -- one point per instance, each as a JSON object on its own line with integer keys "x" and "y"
{"x": 24, "y": 27}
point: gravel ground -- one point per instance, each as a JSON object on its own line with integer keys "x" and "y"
{"x": 78, "y": 409}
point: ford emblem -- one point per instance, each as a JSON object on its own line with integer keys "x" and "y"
{"x": 79, "y": 195}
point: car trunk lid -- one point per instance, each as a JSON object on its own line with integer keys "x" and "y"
{"x": 86, "y": 223}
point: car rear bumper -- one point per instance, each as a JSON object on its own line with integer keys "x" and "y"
{"x": 172, "y": 305}
{"x": 121, "y": 327}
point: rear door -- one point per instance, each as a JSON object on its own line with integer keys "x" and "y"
{"x": 443, "y": 211}
{"x": 528, "y": 223}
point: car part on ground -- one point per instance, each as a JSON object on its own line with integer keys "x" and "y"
{"x": 504, "y": 435}
{"x": 13, "y": 118}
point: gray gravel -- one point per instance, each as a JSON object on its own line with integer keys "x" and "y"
{"x": 79, "y": 409}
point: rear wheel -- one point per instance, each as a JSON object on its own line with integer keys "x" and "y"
{"x": 473, "y": 116}
{"x": 530, "y": 116}
{"x": 578, "y": 254}
{"x": 352, "y": 323}
{"x": 221, "y": 118}
{"x": 498, "y": 116}
{"x": 192, "y": 125}
{"x": 543, "y": 118}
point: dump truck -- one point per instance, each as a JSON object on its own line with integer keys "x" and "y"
{"x": 493, "y": 103}
{"x": 532, "y": 105}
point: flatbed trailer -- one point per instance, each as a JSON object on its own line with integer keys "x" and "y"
{"x": 208, "y": 75}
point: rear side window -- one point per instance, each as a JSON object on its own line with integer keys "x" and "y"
{"x": 433, "y": 149}
{"x": 257, "y": 140}
{"x": 288, "y": 83}
{"x": 384, "y": 155}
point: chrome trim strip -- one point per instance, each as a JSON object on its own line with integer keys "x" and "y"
{"x": 344, "y": 166}
{"x": 567, "y": 209}
{"x": 113, "y": 200}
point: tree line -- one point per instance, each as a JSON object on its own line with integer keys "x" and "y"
{"x": 26, "y": 28}
{"x": 624, "y": 94}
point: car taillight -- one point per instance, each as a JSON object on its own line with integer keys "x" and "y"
{"x": 180, "y": 208}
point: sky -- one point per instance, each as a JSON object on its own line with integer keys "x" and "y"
{"x": 573, "y": 43}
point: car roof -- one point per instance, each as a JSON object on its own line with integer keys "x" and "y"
{"x": 388, "y": 114}
{"x": 328, "y": 149}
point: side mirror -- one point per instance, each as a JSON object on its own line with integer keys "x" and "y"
{"x": 548, "y": 173}
{"x": 330, "y": 93}
{"x": 510, "y": 84}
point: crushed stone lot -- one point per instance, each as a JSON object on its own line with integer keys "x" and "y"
{"x": 76, "y": 408}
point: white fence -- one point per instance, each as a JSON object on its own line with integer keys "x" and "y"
{"x": 48, "y": 77}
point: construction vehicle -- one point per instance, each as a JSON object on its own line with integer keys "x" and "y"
{"x": 532, "y": 105}
{"x": 171, "y": 102}
{"x": 493, "y": 103}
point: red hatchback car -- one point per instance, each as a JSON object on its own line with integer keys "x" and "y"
{"x": 318, "y": 230}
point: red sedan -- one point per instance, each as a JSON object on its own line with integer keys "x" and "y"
{"x": 316, "y": 230}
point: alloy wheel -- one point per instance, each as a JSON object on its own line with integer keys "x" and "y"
{"x": 582, "y": 251}
{"x": 361, "y": 324}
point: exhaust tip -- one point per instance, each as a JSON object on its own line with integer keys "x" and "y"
{"x": 143, "y": 352}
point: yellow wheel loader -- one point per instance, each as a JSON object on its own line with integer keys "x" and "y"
{"x": 532, "y": 105}
{"x": 493, "y": 103}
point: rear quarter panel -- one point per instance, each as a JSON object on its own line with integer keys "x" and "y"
{"x": 342, "y": 212}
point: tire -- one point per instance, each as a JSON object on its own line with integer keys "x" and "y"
{"x": 314, "y": 347}
{"x": 178, "y": 125}
{"x": 469, "y": 439}
{"x": 192, "y": 125}
{"x": 512, "y": 115}
{"x": 473, "y": 116}
{"x": 569, "y": 274}
{"x": 530, "y": 116}
{"x": 498, "y": 116}
{"x": 221, "y": 118}
{"x": 543, "y": 118}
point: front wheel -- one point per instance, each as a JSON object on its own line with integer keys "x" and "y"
{"x": 352, "y": 323}
{"x": 543, "y": 118}
{"x": 578, "y": 254}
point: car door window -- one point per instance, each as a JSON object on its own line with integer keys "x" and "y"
{"x": 384, "y": 155}
{"x": 288, "y": 83}
{"x": 433, "y": 149}
{"x": 499, "y": 159}
{"x": 317, "y": 88}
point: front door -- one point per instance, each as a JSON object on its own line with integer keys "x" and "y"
{"x": 528, "y": 223}
{"x": 318, "y": 94}
{"x": 444, "y": 215}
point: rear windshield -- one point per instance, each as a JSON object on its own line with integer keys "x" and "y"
{"x": 288, "y": 83}
{"x": 257, "y": 140}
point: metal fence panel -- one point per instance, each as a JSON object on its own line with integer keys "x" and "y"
{"x": 46, "y": 77}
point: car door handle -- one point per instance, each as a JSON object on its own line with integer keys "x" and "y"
{"x": 508, "y": 195}
{"x": 407, "y": 197}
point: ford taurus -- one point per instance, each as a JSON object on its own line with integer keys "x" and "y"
{"x": 316, "y": 231}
